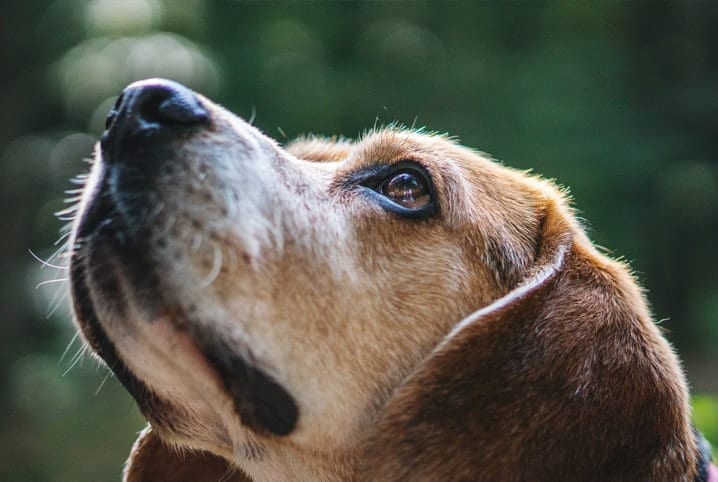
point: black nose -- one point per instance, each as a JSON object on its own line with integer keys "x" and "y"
{"x": 154, "y": 106}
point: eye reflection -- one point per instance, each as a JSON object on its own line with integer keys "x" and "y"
{"x": 407, "y": 188}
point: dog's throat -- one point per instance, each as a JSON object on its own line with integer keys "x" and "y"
{"x": 262, "y": 403}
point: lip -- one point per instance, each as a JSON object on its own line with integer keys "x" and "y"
{"x": 261, "y": 402}
{"x": 89, "y": 323}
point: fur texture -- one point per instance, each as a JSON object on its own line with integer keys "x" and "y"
{"x": 487, "y": 341}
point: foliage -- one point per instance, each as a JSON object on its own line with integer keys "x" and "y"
{"x": 705, "y": 415}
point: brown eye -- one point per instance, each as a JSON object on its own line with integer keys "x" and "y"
{"x": 408, "y": 189}
{"x": 404, "y": 188}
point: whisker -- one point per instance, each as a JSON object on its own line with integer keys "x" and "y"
{"x": 58, "y": 297}
{"x": 45, "y": 263}
{"x": 80, "y": 179}
{"x": 61, "y": 251}
{"x": 216, "y": 267}
{"x": 72, "y": 199}
{"x": 56, "y": 301}
{"x": 77, "y": 357}
{"x": 62, "y": 238}
{"x": 104, "y": 380}
{"x": 50, "y": 281}
{"x": 69, "y": 345}
{"x": 253, "y": 116}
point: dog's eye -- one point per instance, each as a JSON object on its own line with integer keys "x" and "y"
{"x": 404, "y": 188}
{"x": 407, "y": 188}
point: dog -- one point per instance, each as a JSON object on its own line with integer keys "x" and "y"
{"x": 393, "y": 308}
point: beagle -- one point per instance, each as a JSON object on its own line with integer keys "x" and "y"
{"x": 391, "y": 309}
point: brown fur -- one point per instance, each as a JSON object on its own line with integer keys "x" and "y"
{"x": 556, "y": 372}
{"x": 564, "y": 384}
{"x": 152, "y": 460}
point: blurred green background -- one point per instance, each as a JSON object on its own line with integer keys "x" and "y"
{"x": 618, "y": 101}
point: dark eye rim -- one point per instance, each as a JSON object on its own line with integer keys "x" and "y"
{"x": 371, "y": 180}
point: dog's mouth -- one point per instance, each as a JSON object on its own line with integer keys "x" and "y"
{"x": 114, "y": 277}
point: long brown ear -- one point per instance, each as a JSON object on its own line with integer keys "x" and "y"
{"x": 564, "y": 378}
{"x": 153, "y": 461}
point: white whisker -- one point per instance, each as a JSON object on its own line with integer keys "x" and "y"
{"x": 50, "y": 281}
{"x": 60, "y": 251}
{"x": 69, "y": 345}
{"x": 56, "y": 301}
{"x": 104, "y": 380}
{"x": 62, "y": 238}
{"x": 216, "y": 267}
{"x": 250, "y": 121}
{"x": 77, "y": 357}
{"x": 45, "y": 263}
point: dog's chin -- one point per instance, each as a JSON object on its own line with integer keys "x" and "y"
{"x": 176, "y": 372}
{"x": 159, "y": 411}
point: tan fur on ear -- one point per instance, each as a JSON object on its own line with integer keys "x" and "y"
{"x": 151, "y": 460}
{"x": 564, "y": 378}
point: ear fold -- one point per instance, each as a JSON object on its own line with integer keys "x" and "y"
{"x": 564, "y": 378}
{"x": 151, "y": 461}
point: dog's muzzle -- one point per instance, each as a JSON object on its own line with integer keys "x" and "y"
{"x": 112, "y": 261}
{"x": 112, "y": 235}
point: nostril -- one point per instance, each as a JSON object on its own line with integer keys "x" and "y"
{"x": 168, "y": 103}
{"x": 181, "y": 110}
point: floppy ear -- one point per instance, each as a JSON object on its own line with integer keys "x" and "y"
{"x": 151, "y": 461}
{"x": 564, "y": 378}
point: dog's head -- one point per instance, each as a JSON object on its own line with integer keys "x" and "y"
{"x": 396, "y": 307}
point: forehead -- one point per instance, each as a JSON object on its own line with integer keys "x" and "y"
{"x": 438, "y": 154}
{"x": 390, "y": 146}
{"x": 387, "y": 146}
{"x": 456, "y": 171}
